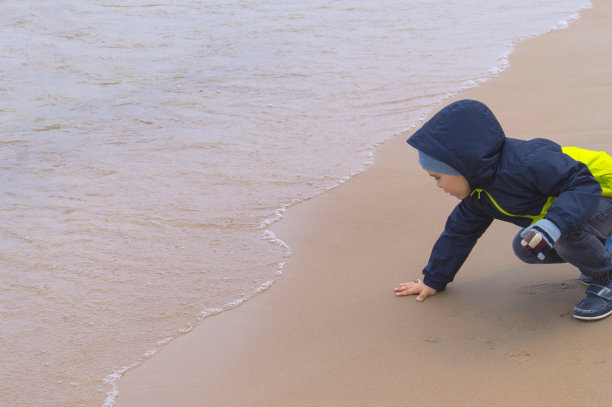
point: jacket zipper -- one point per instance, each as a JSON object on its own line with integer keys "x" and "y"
{"x": 533, "y": 218}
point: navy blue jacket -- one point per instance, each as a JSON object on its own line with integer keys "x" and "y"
{"x": 517, "y": 176}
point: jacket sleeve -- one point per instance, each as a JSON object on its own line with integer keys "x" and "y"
{"x": 554, "y": 173}
{"x": 463, "y": 228}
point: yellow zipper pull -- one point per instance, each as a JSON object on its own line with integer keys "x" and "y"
{"x": 477, "y": 190}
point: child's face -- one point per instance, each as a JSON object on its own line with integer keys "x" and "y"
{"x": 456, "y": 185}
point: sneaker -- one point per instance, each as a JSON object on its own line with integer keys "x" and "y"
{"x": 596, "y": 305}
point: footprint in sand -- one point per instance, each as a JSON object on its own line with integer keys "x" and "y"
{"x": 553, "y": 287}
{"x": 520, "y": 356}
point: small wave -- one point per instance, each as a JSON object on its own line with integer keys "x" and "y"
{"x": 563, "y": 24}
{"x": 114, "y": 377}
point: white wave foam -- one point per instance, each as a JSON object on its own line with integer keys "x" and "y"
{"x": 563, "y": 24}
{"x": 114, "y": 377}
{"x": 503, "y": 61}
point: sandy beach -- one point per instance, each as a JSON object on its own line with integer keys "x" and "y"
{"x": 330, "y": 331}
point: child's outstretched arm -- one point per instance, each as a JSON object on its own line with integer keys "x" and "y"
{"x": 417, "y": 287}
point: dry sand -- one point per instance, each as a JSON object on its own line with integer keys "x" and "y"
{"x": 331, "y": 332}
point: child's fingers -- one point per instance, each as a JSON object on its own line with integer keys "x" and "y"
{"x": 411, "y": 283}
{"x": 404, "y": 288}
{"x": 408, "y": 288}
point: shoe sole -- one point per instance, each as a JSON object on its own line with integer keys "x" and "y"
{"x": 595, "y": 318}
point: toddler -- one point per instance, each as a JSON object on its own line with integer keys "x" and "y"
{"x": 560, "y": 197}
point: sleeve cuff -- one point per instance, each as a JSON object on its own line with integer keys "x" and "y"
{"x": 436, "y": 285}
{"x": 549, "y": 227}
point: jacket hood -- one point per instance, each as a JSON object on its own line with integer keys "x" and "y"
{"x": 465, "y": 135}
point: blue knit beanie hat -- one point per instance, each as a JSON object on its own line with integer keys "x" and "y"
{"x": 435, "y": 165}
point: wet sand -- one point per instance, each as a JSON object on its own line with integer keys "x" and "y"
{"x": 330, "y": 331}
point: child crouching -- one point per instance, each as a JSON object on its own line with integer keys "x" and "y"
{"x": 560, "y": 197}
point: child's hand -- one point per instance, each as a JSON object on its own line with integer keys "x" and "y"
{"x": 417, "y": 287}
{"x": 540, "y": 238}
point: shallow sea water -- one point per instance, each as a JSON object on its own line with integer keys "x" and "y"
{"x": 145, "y": 147}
